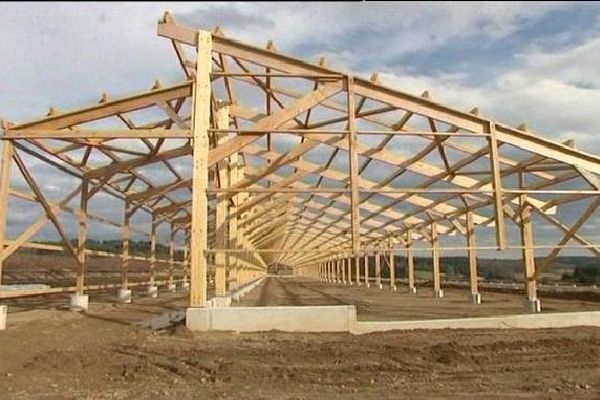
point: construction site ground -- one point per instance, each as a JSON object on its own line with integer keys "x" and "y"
{"x": 52, "y": 353}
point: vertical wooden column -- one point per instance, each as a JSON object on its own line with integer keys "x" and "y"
{"x": 221, "y": 211}
{"x": 378, "y": 268}
{"x": 7, "y": 154}
{"x": 343, "y": 267}
{"x": 349, "y": 269}
{"x": 532, "y": 303}
{"x": 472, "y": 253}
{"x": 172, "y": 256}
{"x": 331, "y": 270}
{"x": 232, "y": 258}
{"x": 357, "y": 264}
{"x": 186, "y": 259}
{"x": 125, "y": 253}
{"x": 152, "y": 277}
{"x": 320, "y": 269}
{"x": 366, "y": 258}
{"x": 497, "y": 185}
{"x": 200, "y": 125}
{"x": 392, "y": 262}
{"x": 338, "y": 275}
{"x": 354, "y": 184}
{"x": 242, "y": 259}
{"x": 125, "y": 293}
{"x": 435, "y": 258}
{"x": 410, "y": 263}
{"x": 82, "y": 237}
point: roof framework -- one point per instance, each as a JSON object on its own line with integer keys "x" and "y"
{"x": 259, "y": 159}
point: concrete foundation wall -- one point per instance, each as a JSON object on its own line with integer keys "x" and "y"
{"x": 526, "y": 321}
{"x": 290, "y": 319}
{"x": 343, "y": 319}
{"x": 3, "y": 313}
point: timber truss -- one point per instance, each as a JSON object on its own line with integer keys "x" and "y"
{"x": 262, "y": 159}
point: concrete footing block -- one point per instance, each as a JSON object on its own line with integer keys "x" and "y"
{"x": 533, "y": 306}
{"x": 439, "y": 294}
{"x": 367, "y": 285}
{"x": 152, "y": 291}
{"x": 283, "y": 318}
{"x": 171, "y": 287}
{"x": 393, "y": 288}
{"x": 476, "y": 298}
{"x": 79, "y": 302}
{"x": 3, "y": 313}
{"x": 124, "y": 295}
{"x": 380, "y": 286}
{"x": 185, "y": 285}
{"x": 219, "y": 302}
{"x": 412, "y": 290}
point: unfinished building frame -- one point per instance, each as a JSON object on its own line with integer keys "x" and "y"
{"x": 293, "y": 163}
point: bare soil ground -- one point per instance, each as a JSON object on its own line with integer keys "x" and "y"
{"x": 48, "y": 352}
{"x": 54, "y": 354}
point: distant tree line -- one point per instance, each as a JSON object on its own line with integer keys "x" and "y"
{"x": 136, "y": 248}
{"x": 584, "y": 269}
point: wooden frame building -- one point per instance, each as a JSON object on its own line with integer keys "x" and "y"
{"x": 293, "y": 163}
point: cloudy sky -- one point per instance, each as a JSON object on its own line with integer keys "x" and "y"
{"x": 519, "y": 62}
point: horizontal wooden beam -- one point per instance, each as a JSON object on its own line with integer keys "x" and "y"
{"x": 97, "y": 134}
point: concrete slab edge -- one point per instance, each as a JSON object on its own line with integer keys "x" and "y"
{"x": 344, "y": 319}
{"x": 525, "y": 321}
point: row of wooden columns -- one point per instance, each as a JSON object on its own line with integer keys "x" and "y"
{"x": 347, "y": 269}
{"x": 129, "y": 211}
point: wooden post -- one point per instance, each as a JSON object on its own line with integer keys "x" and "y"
{"x": 497, "y": 185}
{"x": 232, "y": 259}
{"x": 172, "y": 256}
{"x": 378, "y": 268}
{"x": 186, "y": 258}
{"x": 532, "y": 303}
{"x": 221, "y": 211}
{"x": 410, "y": 263}
{"x": 472, "y": 253}
{"x": 7, "y": 154}
{"x": 354, "y": 184}
{"x": 125, "y": 254}
{"x": 392, "y": 263}
{"x": 152, "y": 271}
{"x": 331, "y": 271}
{"x": 125, "y": 292}
{"x": 435, "y": 257}
{"x": 357, "y": 264}
{"x": 242, "y": 259}
{"x": 338, "y": 277}
{"x": 366, "y": 258}
{"x": 321, "y": 271}
{"x": 343, "y": 266}
{"x": 349, "y": 267}
{"x": 82, "y": 238}
{"x": 200, "y": 126}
